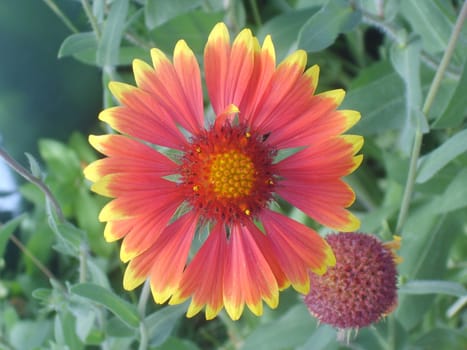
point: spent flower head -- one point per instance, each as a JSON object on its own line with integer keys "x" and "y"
{"x": 361, "y": 288}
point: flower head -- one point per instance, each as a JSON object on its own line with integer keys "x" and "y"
{"x": 361, "y": 287}
{"x": 222, "y": 175}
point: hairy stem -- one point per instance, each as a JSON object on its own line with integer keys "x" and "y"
{"x": 417, "y": 144}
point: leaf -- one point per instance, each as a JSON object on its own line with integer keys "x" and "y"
{"x": 119, "y": 307}
{"x": 433, "y": 287}
{"x": 321, "y": 338}
{"x": 322, "y": 29}
{"x": 455, "y": 196}
{"x": 426, "y": 241}
{"x": 457, "y": 108}
{"x": 109, "y": 44}
{"x": 382, "y": 109}
{"x": 65, "y": 334}
{"x": 284, "y": 29}
{"x": 290, "y": 330}
{"x": 406, "y": 62}
{"x": 157, "y": 12}
{"x": 441, "y": 338}
{"x": 436, "y": 160}
{"x": 432, "y": 20}
{"x": 194, "y": 27}
{"x": 78, "y": 44}
{"x": 161, "y": 323}
{"x": 6, "y": 230}
{"x": 34, "y": 165}
{"x": 61, "y": 161}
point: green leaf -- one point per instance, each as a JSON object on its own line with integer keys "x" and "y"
{"x": 69, "y": 237}
{"x": 34, "y": 166}
{"x": 119, "y": 307}
{"x": 109, "y": 44}
{"x": 433, "y": 20}
{"x": 376, "y": 93}
{"x": 284, "y": 30}
{"x": 455, "y": 196}
{"x": 322, "y": 29}
{"x": 433, "y": 287}
{"x": 157, "y": 12}
{"x": 6, "y": 230}
{"x": 321, "y": 338}
{"x": 441, "y": 338}
{"x": 79, "y": 43}
{"x": 61, "y": 161}
{"x": 426, "y": 241}
{"x": 65, "y": 334}
{"x": 194, "y": 27}
{"x": 161, "y": 323}
{"x": 29, "y": 335}
{"x": 290, "y": 330}
{"x": 406, "y": 62}
{"x": 433, "y": 162}
{"x": 457, "y": 108}
{"x": 176, "y": 343}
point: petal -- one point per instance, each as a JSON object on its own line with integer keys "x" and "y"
{"x": 284, "y": 80}
{"x": 126, "y": 155}
{"x": 203, "y": 277}
{"x": 324, "y": 202}
{"x": 216, "y": 65}
{"x": 264, "y": 244}
{"x": 171, "y": 255}
{"x": 247, "y": 276}
{"x": 188, "y": 73}
{"x": 311, "y": 180}
{"x": 167, "y": 91}
{"x": 146, "y": 231}
{"x": 265, "y": 65}
{"x": 298, "y": 248}
{"x": 143, "y": 118}
{"x": 241, "y": 64}
{"x": 164, "y": 261}
{"x": 141, "y": 202}
{"x": 333, "y": 158}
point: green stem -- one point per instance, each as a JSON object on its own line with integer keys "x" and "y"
{"x": 31, "y": 256}
{"x": 61, "y": 15}
{"x": 92, "y": 19}
{"x": 143, "y": 331}
{"x": 255, "y": 11}
{"x": 417, "y": 144}
{"x": 83, "y": 255}
{"x": 34, "y": 180}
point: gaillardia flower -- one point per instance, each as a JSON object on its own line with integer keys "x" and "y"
{"x": 361, "y": 288}
{"x": 174, "y": 172}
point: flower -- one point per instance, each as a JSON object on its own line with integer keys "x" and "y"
{"x": 173, "y": 173}
{"x": 361, "y": 288}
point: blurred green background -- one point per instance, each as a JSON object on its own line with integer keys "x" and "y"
{"x": 40, "y": 94}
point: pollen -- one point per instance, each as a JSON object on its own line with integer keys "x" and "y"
{"x": 227, "y": 173}
{"x": 232, "y": 174}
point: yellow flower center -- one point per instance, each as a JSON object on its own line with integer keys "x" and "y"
{"x": 232, "y": 174}
{"x": 227, "y": 173}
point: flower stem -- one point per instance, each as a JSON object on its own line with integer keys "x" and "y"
{"x": 92, "y": 19}
{"x": 255, "y": 11}
{"x": 31, "y": 256}
{"x": 53, "y": 6}
{"x": 34, "y": 180}
{"x": 143, "y": 331}
{"x": 417, "y": 144}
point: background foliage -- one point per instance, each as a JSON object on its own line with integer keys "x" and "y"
{"x": 61, "y": 284}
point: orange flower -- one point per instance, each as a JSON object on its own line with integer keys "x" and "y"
{"x": 174, "y": 172}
